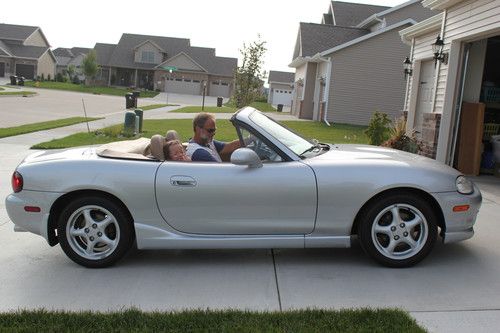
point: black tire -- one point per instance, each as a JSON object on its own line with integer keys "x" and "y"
{"x": 400, "y": 242}
{"x": 94, "y": 231}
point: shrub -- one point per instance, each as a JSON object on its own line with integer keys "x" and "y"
{"x": 76, "y": 80}
{"x": 402, "y": 140}
{"x": 378, "y": 130}
{"x": 48, "y": 77}
{"x": 42, "y": 78}
{"x": 59, "y": 77}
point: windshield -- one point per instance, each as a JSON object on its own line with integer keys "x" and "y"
{"x": 293, "y": 141}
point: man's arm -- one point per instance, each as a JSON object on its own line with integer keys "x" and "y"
{"x": 229, "y": 147}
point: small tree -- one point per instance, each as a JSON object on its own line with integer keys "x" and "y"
{"x": 378, "y": 130}
{"x": 90, "y": 66}
{"x": 249, "y": 75}
{"x": 71, "y": 70}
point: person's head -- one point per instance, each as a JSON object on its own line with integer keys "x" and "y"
{"x": 174, "y": 151}
{"x": 204, "y": 128}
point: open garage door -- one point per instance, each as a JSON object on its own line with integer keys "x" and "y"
{"x": 183, "y": 86}
{"x": 2, "y": 69}
{"x": 28, "y": 71}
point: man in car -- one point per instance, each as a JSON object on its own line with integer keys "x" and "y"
{"x": 203, "y": 147}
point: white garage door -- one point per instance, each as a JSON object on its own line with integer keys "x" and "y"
{"x": 281, "y": 96}
{"x": 219, "y": 88}
{"x": 183, "y": 86}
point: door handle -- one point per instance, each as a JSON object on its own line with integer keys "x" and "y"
{"x": 185, "y": 181}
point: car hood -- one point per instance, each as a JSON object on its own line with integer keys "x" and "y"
{"x": 373, "y": 155}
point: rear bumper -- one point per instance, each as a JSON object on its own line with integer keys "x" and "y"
{"x": 459, "y": 225}
{"x": 28, "y": 221}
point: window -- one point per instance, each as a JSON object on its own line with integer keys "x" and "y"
{"x": 224, "y": 83}
{"x": 187, "y": 80}
{"x": 265, "y": 153}
{"x": 215, "y": 83}
{"x": 196, "y": 81}
{"x": 180, "y": 80}
{"x": 148, "y": 57}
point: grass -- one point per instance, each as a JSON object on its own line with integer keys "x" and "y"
{"x": 154, "y": 106}
{"x": 361, "y": 320}
{"x": 87, "y": 89}
{"x": 17, "y": 93}
{"x": 227, "y": 108}
{"x": 29, "y": 128}
{"x": 225, "y": 132}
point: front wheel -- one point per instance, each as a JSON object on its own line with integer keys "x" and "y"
{"x": 398, "y": 230}
{"x": 95, "y": 232}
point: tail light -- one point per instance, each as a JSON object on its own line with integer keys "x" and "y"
{"x": 17, "y": 182}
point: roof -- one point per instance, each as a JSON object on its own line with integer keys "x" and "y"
{"x": 316, "y": 38}
{"x": 122, "y": 54}
{"x": 16, "y": 32}
{"x": 62, "y": 52}
{"x": 4, "y": 49}
{"x": 285, "y": 77}
{"x": 23, "y": 51}
{"x": 349, "y": 14}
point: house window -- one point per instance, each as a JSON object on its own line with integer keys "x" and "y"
{"x": 148, "y": 57}
{"x": 180, "y": 80}
{"x": 224, "y": 83}
{"x": 196, "y": 81}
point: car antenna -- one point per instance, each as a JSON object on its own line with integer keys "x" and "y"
{"x": 85, "y": 113}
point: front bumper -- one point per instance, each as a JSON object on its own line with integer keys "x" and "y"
{"x": 459, "y": 225}
{"x": 29, "y": 221}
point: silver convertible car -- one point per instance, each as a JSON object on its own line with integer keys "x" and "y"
{"x": 280, "y": 191}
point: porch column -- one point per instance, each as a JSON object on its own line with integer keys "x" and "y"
{"x": 135, "y": 79}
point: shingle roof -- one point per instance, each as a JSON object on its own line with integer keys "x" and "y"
{"x": 349, "y": 14}
{"x": 80, "y": 50}
{"x": 23, "y": 51}
{"x": 62, "y": 61}
{"x": 316, "y": 38}
{"x": 63, "y": 52}
{"x": 122, "y": 54}
{"x": 4, "y": 49}
{"x": 276, "y": 76}
{"x": 16, "y": 32}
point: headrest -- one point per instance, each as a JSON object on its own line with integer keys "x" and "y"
{"x": 172, "y": 135}
{"x": 157, "y": 142}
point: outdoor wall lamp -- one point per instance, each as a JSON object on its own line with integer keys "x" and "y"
{"x": 322, "y": 81}
{"x": 437, "y": 49}
{"x": 407, "y": 64}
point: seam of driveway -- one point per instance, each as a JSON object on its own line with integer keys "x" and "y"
{"x": 454, "y": 311}
{"x": 276, "y": 279}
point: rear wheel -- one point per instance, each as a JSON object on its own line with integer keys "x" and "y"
{"x": 398, "y": 230}
{"x": 95, "y": 232}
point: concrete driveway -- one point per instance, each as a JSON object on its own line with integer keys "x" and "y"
{"x": 456, "y": 289}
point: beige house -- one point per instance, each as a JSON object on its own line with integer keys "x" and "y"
{"x": 24, "y": 51}
{"x": 348, "y": 67}
{"x": 453, "y": 94}
{"x": 165, "y": 64}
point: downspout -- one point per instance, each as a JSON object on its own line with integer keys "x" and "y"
{"x": 327, "y": 90}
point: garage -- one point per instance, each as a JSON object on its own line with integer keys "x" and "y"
{"x": 282, "y": 96}
{"x": 28, "y": 71}
{"x": 183, "y": 86}
{"x": 2, "y": 69}
{"x": 219, "y": 88}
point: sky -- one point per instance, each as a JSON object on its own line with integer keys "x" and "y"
{"x": 221, "y": 24}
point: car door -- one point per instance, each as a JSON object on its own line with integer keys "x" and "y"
{"x": 223, "y": 198}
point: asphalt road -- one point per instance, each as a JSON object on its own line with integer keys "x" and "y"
{"x": 455, "y": 289}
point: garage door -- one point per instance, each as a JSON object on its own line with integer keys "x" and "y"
{"x": 2, "y": 69}
{"x": 183, "y": 86}
{"x": 28, "y": 71}
{"x": 219, "y": 88}
{"x": 281, "y": 96}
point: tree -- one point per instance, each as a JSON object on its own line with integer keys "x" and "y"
{"x": 71, "y": 72}
{"x": 90, "y": 66}
{"x": 249, "y": 76}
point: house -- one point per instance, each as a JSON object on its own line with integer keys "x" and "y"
{"x": 25, "y": 51}
{"x": 280, "y": 88}
{"x": 73, "y": 56}
{"x": 165, "y": 64}
{"x": 348, "y": 66}
{"x": 453, "y": 93}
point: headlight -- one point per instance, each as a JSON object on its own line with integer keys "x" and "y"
{"x": 464, "y": 185}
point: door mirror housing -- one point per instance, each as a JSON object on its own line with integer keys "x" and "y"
{"x": 246, "y": 156}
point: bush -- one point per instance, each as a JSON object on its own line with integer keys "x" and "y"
{"x": 42, "y": 78}
{"x": 48, "y": 77}
{"x": 378, "y": 130}
{"x": 76, "y": 80}
{"x": 402, "y": 140}
{"x": 59, "y": 77}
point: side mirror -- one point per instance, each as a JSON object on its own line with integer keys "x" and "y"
{"x": 246, "y": 156}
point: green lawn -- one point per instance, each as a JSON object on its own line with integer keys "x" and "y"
{"x": 225, "y": 132}
{"x": 17, "y": 93}
{"x": 86, "y": 89}
{"x": 227, "y": 108}
{"x": 154, "y": 106}
{"x": 29, "y": 128}
{"x": 360, "y": 320}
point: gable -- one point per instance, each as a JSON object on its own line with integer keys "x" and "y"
{"x": 183, "y": 62}
{"x": 37, "y": 39}
{"x": 148, "y": 52}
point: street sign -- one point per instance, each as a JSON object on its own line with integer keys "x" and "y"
{"x": 170, "y": 68}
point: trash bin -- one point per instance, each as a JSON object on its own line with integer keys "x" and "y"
{"x": 20, "y": 81}
{"x": 136, "y": 95}
{"x": 280, "y": 108}
{"x": 130, "y": 121}
{"x": 219, "y": 102}
{"x": 129, "y": 100}
{"x": 139, "y": 113}
{"x": 13, "y": 80}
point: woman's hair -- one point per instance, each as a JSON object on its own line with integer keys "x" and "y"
{"x": 166, "y": 147}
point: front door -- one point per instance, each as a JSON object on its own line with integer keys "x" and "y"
{"x": 224, "y": 199}
{"x": 425, "y": 92}
{"x": 2, "y": 69}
